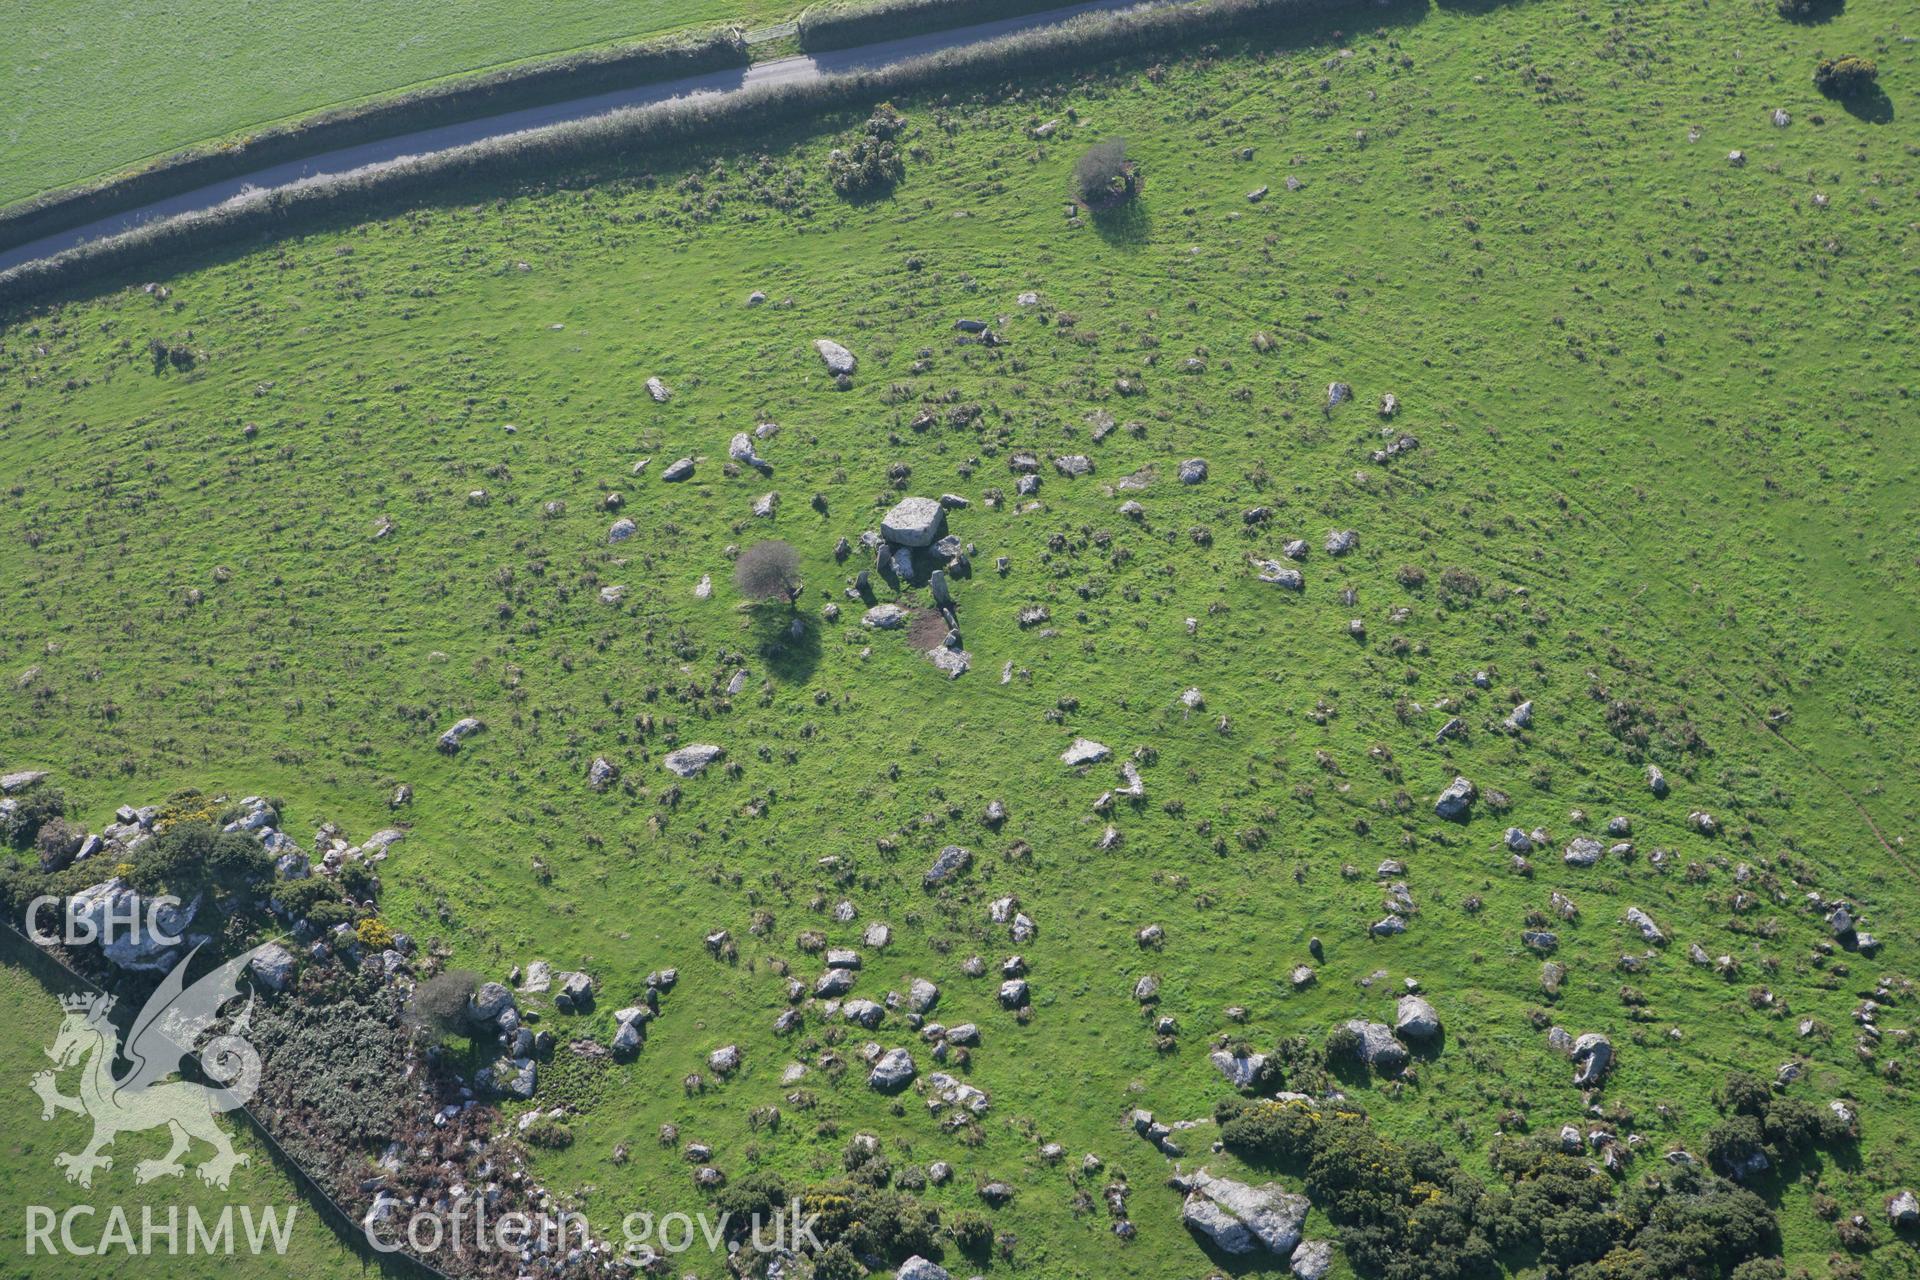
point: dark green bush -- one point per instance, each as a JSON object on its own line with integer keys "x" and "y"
{"x": 837, "y": 1262}
{"x": 1275, "y": 1131}
{"x": 324, "y": 916}
{"x": 301, "y": 896}
{"x": 1730, "y": 1145}
{"x": 1745, "y": 1094}
{"x": 1845, "y": 77}
{"x": 872, "y": 1221}
{"x": 438, "y": 1006}
{"x": 759, "y": 1195}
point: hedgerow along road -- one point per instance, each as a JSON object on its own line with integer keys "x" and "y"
{"x": 799, "y": 68}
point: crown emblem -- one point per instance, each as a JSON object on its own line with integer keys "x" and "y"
{"x": 85, "y": 1003}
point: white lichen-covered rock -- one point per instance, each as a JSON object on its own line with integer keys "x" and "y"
{"x": 838, "y": 359}
{"x": 1280, "y": 575}
{"x": 918, "y": 1268}
{"x": 459, "y": 732}
{"x": 1312, "y": 1259}
{"x": 893, "y": 1071}
{"x": 1085, "y": 751}
{"x": 129, "y": 933}
{"x": 1415, "y": 1019}
{"x": 1240, "y": 1070}
{"x": 690, "y": 761}
{"x": 272, "y": 966}
{"x": 914, "y": 522}
{"x": 1456, "y": 802}
{"x": 1377, "y": 1047}
{"x": 1267, "y": 1216}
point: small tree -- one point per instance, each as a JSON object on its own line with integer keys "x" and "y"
{"x": 767, "y": 571}
{"x": 1104, "y": 177}
{"x": 438, "y": 1006}
{"x": 1845, "y": 77}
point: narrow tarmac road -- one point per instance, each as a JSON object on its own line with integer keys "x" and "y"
{"x": 802, "y": 67}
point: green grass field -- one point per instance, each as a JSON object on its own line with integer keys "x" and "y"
{"x": 1665, "y": 416}
{"x": 88, "y": 88}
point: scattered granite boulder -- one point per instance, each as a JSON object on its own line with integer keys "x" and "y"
{"x": 488, "y": 1003}
{"x": 1220, "y": 1229}
{"x": 952, "y": 662}
{"x": 918, "y": 1268}
{"x": 839, "y": 361}
{"x": 1648, "y": 929}
{"x": 1592, "y": 1056}
{"x": 678, "y": 471}
{"x": 1903, "y": 1210}
{"x": 1415, "y": 1019}
{"x": 953, "y": 861}
{"x": 741, "y": 450}
{"x": 1455, "y": 804}
{"x": 1312, "y": 1259}
{"x": 691, "y": 761}
{"x": 1656, "y": 780}
{"x": 726, "y": 1059}
{"x": 575, "y": 994}
{"x": 884, "y": 617}
{"x": 1193, "y": 471}
{"x": 1241, "y": 1070}
{"x": 602, "y": 773}
{"x": 1377, "y": 1046}
{"x": 1280, "y": 575}
{"x": 893, "y": 1072}
{"x": 658, "y": 390}
{"x": 21, "y": 780}
{"x": 1521, "y": 717}
{"x": 272, "y": 966}
{"x": 628, "y": 1037}
{"x": 1085, "y": 751}
{"x": 1341, "y": 541}
{"x": 458, "y": 732}
{"x": 1240, "y": 1219}
{"x": 1074, "y": 464}
{"x": 131, "y": 935}
{"x": 1583, "y": 851}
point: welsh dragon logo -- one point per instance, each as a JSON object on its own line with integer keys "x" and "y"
{"x": 169, "y": 1025}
